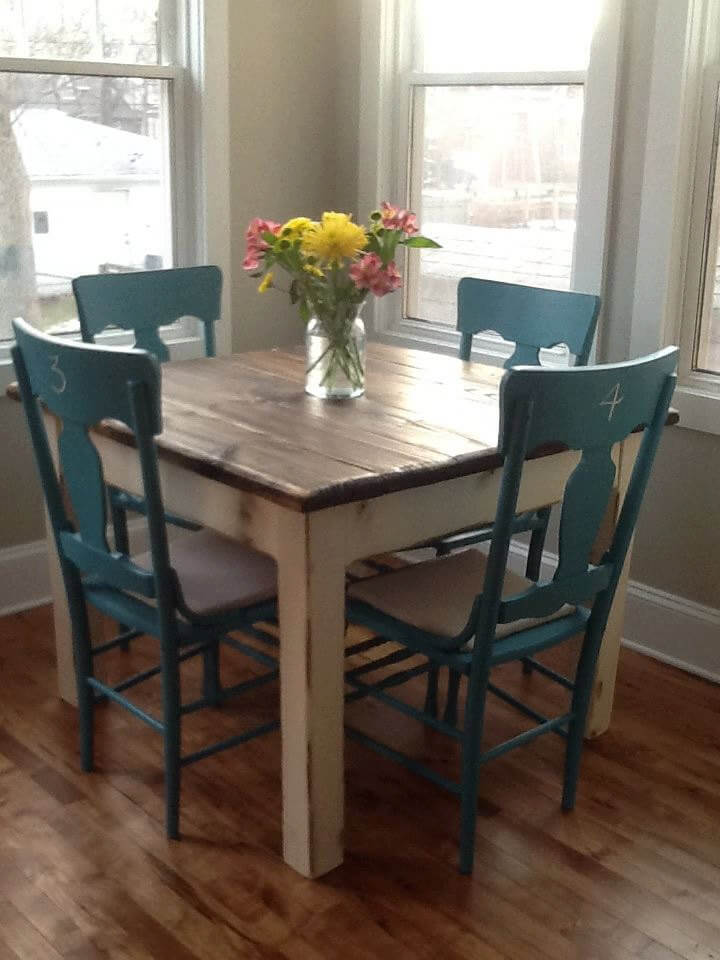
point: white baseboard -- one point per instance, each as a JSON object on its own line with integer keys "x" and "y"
{"x": 669, "y": 628}
{"x": 24, "y": 577}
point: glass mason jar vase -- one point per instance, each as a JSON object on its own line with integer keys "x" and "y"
{"x": 335, "y": 354}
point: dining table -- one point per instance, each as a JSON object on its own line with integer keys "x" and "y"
{"x": 319, "y": 485}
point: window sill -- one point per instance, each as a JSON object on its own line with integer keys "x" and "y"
{"x": 698, "y": 410}
{"x": 416, "y": 335}
{"x": 181, "y": 348}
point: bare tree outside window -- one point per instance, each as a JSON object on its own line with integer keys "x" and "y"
{"x": 85, "y": 149}
{"x": 18, "y": 290}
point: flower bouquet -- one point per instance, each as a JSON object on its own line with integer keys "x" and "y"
{"x": 333, "y": 265}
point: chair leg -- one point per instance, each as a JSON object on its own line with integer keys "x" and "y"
{"x": 451, "y": 704}
{"x": 211, "y": 674}
{"x": 431, "y": 694}
{"x": 172, "y": 779}
{"x": 471, "y": 746}
{"x": 122, "y": 545}
{"x": 171, "y": 736}
{"x": 584, "y": 679}
{"x": 83, "y": 669}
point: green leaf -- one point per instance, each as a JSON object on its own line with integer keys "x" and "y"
{"x": 421, "y": 242}
{"x": 269, "y": 237}
{"x": 294, "y": 292}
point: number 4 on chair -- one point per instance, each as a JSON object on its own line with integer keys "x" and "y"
{"x": 612, "y": 400}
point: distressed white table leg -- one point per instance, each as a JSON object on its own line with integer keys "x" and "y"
{"x": 605, "y": 675}
{"x": 67, "y": 686}
{"x": 311, "y": 584}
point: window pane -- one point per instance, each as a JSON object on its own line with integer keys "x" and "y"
{"x": 83, "y": 188}
{"x": 708, "y": 334}
{"x": 465, "y": 36}
{"x": 124, "y": 30}
{"x": 495, "y": 172}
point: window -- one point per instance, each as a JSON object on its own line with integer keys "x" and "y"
{"x": 700, "y": 334}
{"x": 93, "y": 166}
{"x": 503, "y": 136}
{"x": 677, "y": 286}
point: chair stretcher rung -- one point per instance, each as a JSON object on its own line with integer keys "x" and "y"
{"x": 415, "y": 765}
{"x": 265, "y": 659}
{"x": 374, "y": 690}
{"x": 518, "y": 704}
{"x": 115, "y": 642}
{"x": 526, "y": 737}
{"x": 154, "y": 671}
{"x": 402, "y": 676}
{"x": 364, "y": 645}
{"x": 229, "y": 692}
{"x": 551, "y": 674}
{"x": 230, "y": 742}
{"x": 113, "y": 695}
{"x": 388, "y": 661}
{"x": 267, "y": 638}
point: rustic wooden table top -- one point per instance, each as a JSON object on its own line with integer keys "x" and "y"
{"x": 246, "y": 421}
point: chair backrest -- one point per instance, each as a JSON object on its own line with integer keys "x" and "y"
{"x": 588, "y": 410}
{"x": 147, "y": 300}
{"x": 530, "y": 317}
{"x": 81, "y": 385}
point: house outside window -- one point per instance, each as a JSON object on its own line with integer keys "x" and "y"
{"x": 92, "y": 94}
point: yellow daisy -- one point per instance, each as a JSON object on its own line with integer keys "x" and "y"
{"x": 295, "y": 228}
{"x": 335, "y": 239}
{"x": 312, "y": 269}
{"x": 266, "y": 283}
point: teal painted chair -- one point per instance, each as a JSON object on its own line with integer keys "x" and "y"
{"x": 188, "y": 594}
{"x": 533, "y": 319}
{"x": 147, "y": 300}
{"x": 469, "y": 613}
{"x": 143, "y": 302}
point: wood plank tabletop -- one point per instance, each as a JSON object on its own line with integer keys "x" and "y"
{"x": 246, "y": 421}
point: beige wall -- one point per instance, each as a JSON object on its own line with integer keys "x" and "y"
{"x": 21, "y": 518}
{"x": 287, "y": 150}
{"x": 294, "y": 120}
{"x": 677, "y": 546}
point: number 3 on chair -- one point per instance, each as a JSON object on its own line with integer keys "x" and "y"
{"x": 62, "y": 379}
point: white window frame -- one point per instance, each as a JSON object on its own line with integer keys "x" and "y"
{"x": 673, "y": 227}
{"x": 195, "y": 40}
{"x": 385, "y": 136}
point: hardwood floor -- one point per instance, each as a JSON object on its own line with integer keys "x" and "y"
{"x": 85, "y": 870}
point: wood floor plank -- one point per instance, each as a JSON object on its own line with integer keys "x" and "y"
{"x": 86, "y": 872}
